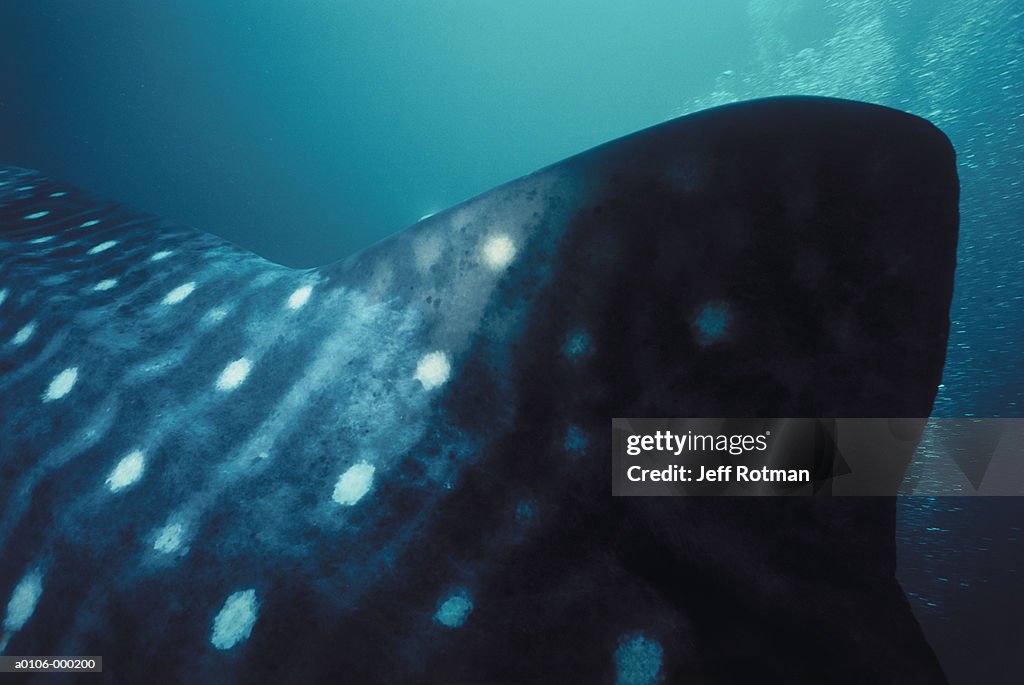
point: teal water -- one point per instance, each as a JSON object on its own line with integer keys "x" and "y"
{"x": 308, "y": 130}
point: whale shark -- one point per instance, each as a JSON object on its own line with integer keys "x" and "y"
{"x": 395, "y": 467}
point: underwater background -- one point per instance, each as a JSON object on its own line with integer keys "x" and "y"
{"x": 308, "y": 130}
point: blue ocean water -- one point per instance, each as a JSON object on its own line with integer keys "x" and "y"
{"x": 308, "y": 130}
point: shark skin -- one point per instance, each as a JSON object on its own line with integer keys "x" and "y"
{"x": 395, "y": 468}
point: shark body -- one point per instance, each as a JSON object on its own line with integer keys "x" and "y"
{"x": 395, "y": 468}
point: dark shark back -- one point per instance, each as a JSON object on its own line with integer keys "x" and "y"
{"x": 396, "y": 468}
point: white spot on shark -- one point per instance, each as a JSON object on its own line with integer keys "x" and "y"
{"x": 169, "y": 538}
{"x": 426, "y": 250}
{"x": 179, "y": 293}
{"x": 87, "y": 224}
{"x": 56, "y": 279}
{"x": 712, "y": 323}
{"x": 498, "y": 251}
{"x": 433, "y": 370}
{"x": 353, "y": 484}
{"x": 577, "y": 345}
{"x": 59, "y": 194}
{"x": 23, "y": 335}
{"x": 61, "y": 384}
{"x": 3, "y": 294}
{"x": 525, "y": 512}
{"x": 162, "y": 254}
{"x": 40, "y": 241}
{"x": 36, "y": 215}
{"x": 575, "y": 441}
{"x": 298, "y": 298}
{"x": 157, "y": 366}
{"x": 235, "y": 620}
{"x": 105, "y": 284}
{"x": 215, "y": 315}
{"x": 127, "y": 471}
{"x": 637, "y": 660}
{"x": 454, "y": 610}
{"x": 22, "y": 604}
{"x": 234, "y": 374}
{"x": 102, "y": 247}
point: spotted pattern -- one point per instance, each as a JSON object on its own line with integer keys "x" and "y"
{"x": 712, "y": 322}
{"x": 127, "y": 471}
{"x": 24, "y": 334}
{"x": 234, "y": 374}
{"x": 170, "y": 538}
{"x": 433, "y": 370}
{"x": 498, "y": 251}
{"x": 454, "y": 609}
{"x": 102, "y": 247}
{"x": 300, "y": 297}
{"x": 179, "y": 294}
{"x": 638, "y": 660}
{"x": 235, "y": 620}
{"x": 22, "y": 604}
{"x": 133, "y": 474}
{"x": 61, "y": 384}
{"x": 354, "y": 484}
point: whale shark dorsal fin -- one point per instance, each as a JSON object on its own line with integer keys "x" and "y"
{"x": 405, "y": 453}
